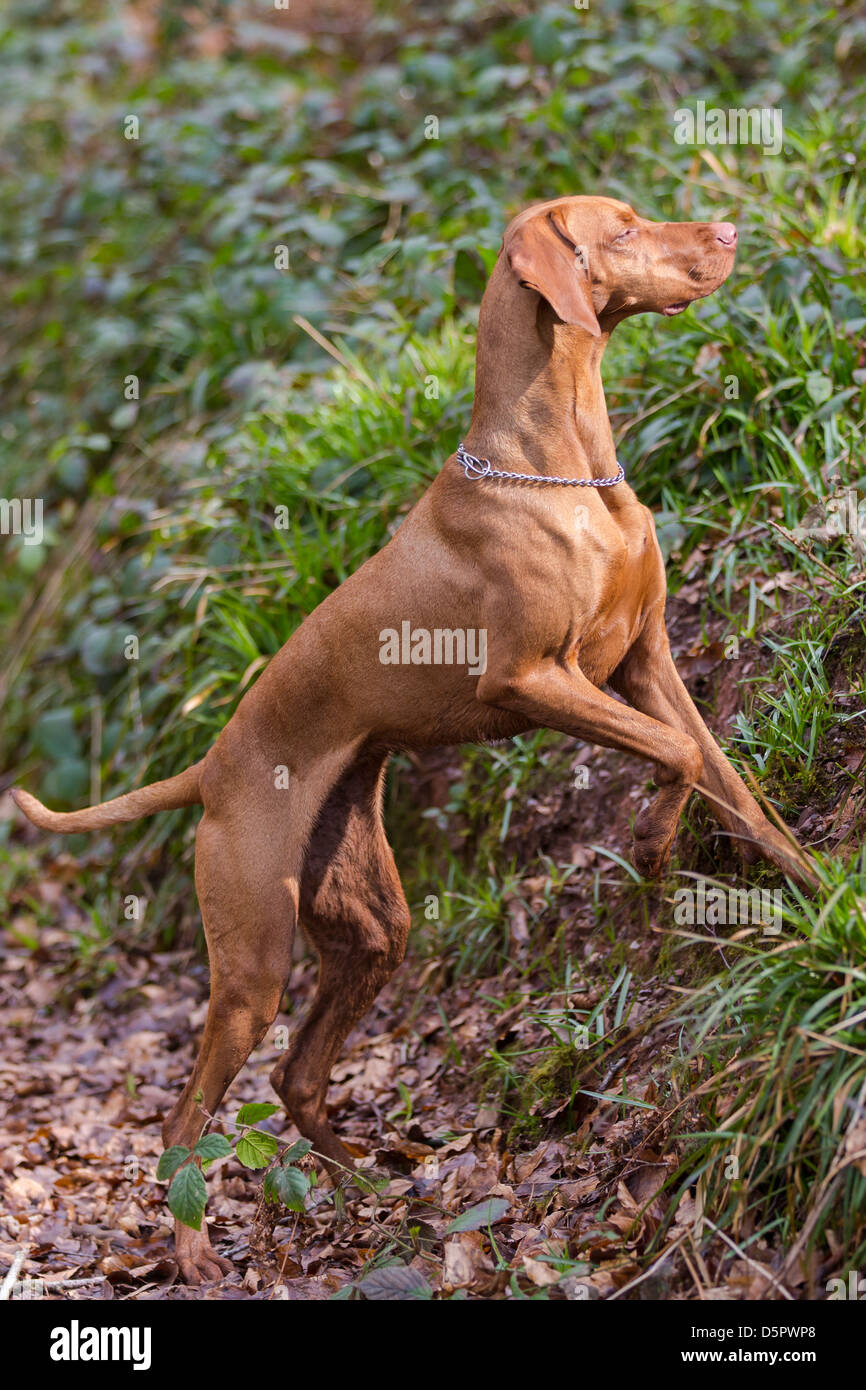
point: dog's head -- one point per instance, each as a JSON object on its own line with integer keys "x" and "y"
{"x": 595, "y": 261}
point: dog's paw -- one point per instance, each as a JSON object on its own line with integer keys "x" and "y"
{"x": 761, "y": 841}
{"x": 197, "y": 1260}
{"x": 790, "y": 858}
{"x": 650, "y": 857}
{"x": 653, "y": 842}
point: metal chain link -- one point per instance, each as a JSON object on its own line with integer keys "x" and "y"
{"x": 482, "y": 468}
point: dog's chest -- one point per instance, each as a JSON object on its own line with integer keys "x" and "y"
{"x": 617, "y": 577}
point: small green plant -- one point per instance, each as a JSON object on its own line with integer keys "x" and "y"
{"x": 254, "y": 1148}
{"x": 287, "y": 1184}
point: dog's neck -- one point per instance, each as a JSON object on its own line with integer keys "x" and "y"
{"x": 539, "y": 399}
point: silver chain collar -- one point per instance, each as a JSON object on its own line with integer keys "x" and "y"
{"x": 482, "y": 468}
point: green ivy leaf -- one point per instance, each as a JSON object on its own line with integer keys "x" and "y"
{"x": 287, "y": 1185}
{"x": 258, "y": 1110}
{"x": 55, "y": 735}
{"x": 170, "y": 1161}
{"x": 292, "y": 1187}
{"x": 544, "y": 40}
{"x": 187, "y": 1196}
{"x": 299, "y": 1149}
{"x": 256, "y": 1149}
{"x": 476, "y": 1218}
{"x": 211, "y": 1147}
{"x": 819, "y": 387}
{"x": 393, "y": 1283}
{"x": 470, "y": 276}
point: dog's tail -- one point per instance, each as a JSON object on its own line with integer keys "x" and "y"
{"x": 182, "y": 790}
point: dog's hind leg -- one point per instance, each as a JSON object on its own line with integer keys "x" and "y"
{"x": 354, "y": 911}
{"x": 249, "y": 850}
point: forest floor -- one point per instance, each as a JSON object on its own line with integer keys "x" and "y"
{"x": 574, "y": 1151}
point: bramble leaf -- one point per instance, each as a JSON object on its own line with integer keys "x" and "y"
{"x": 256, "y": 1149}
{"x": 170, "y": 1160}
{"x": 187, "y": 1196}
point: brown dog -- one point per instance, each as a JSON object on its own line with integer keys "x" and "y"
{"x": 552, "y": 590}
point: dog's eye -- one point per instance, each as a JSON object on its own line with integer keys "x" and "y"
{"x": 629, "y": 232}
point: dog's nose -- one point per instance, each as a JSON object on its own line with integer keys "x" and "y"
{"x": 725, "y": 232}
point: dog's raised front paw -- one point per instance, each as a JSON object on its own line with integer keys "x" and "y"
{"x": 651, "y": 849}
{"x": 650, "y": 859}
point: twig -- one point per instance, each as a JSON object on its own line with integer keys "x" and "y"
{"x": 633, "y": 1283}
{"x": 74, "y": 1283}
{"x": 279, "y": 1278}
{"x": 328, "y": 346}
{"x": 764, "y": 1273}
{"x": 8, "y": 1282}
{"x": 695, "y": 1276}
{"x": 803, "y": 549}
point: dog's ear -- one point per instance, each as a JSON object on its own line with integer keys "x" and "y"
{"x": 545, "y": 259}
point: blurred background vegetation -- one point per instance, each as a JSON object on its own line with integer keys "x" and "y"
{"x": 337, "y": 387}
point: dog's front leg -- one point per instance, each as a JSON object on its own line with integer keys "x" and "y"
{"x": 557, "y": 695}
{"x": 649, "y": 680}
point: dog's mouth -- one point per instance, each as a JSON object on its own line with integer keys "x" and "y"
{"x": 676, "y": 308}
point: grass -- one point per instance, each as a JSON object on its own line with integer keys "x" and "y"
{"x": 781, "y": 1084}
{"x": 285, "y": 421}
